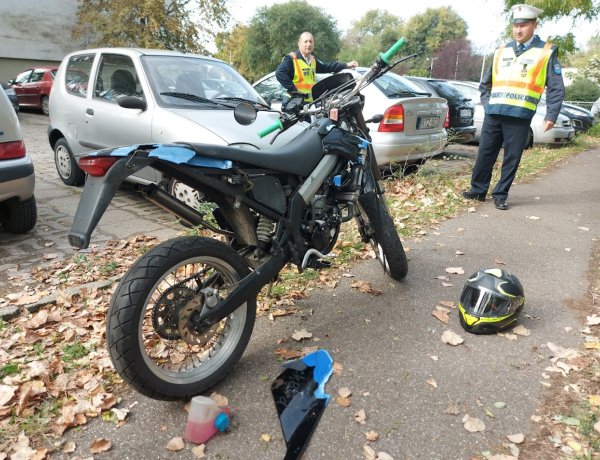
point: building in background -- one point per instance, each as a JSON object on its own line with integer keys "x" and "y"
{"x": 35, "y": 32}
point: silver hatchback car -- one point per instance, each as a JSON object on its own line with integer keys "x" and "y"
{"x": 18, "y": 210}
{"x": 120, "y": 96}
{"x": 412, "y": 127}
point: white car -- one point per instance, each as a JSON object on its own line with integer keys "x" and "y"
{"x": 18, "y": 210}
{"x": 562, "y": 132}
{"x": 110, "y": 97}
{"x": 412, "y": 128}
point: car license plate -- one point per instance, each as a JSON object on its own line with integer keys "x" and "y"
{"x": 465, "y": 113}
{"x": 428, "y": 122}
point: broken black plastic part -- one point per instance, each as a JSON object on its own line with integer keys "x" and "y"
{"x": 300, "y": 399}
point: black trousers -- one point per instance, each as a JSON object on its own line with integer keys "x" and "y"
{"x": 498, "y": 130}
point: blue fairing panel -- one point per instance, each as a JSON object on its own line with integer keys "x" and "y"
{"x": 171, "y": 153}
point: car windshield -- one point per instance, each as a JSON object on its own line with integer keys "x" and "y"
{"x": 470, "y": 91}
{"x": 192, "y": 82}
{"x": 394, "y": 86}
{"x": 446, "y": 90}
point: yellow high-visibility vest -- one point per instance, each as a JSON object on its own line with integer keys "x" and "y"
{"x": 304, "y": 75}
{"x": 518, "y": 81}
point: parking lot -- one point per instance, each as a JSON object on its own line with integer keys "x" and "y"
{"x": 57, "y": 203}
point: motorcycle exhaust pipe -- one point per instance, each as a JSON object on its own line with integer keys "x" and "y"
{"x": 247, "y": 287}
{"x": 169, "y": 203}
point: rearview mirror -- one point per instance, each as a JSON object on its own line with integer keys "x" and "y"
{"x": 131, "y": 102}
{"x": 244, "y": 113}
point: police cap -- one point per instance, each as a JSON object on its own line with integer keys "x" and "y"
{"x": 524, "y": 13}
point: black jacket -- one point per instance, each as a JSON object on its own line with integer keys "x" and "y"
{"x": 285, "y": 70}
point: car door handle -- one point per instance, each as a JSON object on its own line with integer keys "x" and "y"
{"x": 89, "y": 111}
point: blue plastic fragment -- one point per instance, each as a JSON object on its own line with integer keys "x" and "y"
{"x": 323, "y": 363}
{"x": 174, "y": 154}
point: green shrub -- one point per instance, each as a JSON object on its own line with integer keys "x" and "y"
{"x": 582, "y": 90}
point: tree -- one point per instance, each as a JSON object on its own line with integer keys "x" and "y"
{"x": 455, "y": 60}
{"x": 163, "y": 24}
{"x": 427, "y": 32}
{"x": 375, "y": 32}
{"x": 274, "y": 32}
{"x": 230, "y": 46}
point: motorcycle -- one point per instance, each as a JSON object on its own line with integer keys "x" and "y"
{"x": 183, "y": 314}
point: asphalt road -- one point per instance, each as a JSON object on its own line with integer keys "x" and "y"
{"x": 389, "y": 345}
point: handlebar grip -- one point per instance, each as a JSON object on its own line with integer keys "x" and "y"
{"x": 269, "y": 129}
{"x": 385, "y": 57}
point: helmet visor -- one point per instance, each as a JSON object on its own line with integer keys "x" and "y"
{"x": 482, "y": 302}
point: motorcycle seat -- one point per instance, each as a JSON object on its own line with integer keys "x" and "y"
{"x": 299, "y": 156}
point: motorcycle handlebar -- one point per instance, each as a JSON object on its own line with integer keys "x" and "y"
{"x": 381, "y": 63}
{"x": 385, "y": 57}
{"x": 269, "y": 129}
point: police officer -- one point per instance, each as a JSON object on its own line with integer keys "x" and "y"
{"x": 510, "y": 91}
{"x": 297, "y": 70}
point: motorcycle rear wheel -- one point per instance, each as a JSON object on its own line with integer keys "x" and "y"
{"x": 151, "y": 347}
{"x": 377, "y": 227}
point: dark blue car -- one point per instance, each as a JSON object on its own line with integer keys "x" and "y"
{"x": 12, "y": 95}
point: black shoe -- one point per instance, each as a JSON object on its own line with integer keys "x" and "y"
{"x": 500, "y": 204}
{"x": 470, "y": 195}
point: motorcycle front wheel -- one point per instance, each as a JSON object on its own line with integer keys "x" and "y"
{"x": 376, "y": 226}
{"x": 151, "y": 341}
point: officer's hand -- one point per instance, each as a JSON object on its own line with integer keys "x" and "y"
{"x": 548, "y": 125}
{"x": 351, "y": 65}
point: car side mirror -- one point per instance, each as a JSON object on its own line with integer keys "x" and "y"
{"x": 131, "y": 102}
{"x": 12, "y": 81}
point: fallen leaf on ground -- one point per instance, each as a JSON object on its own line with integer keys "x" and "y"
{"x": 593, "y": 320}
{"x": 447, "y": 303}
{"x": 265, "y": 437}
{"x": 372, "y": 436}
{"x": 369, "y": 452}
{"x": 452, "y": 409}
{"x": 366, "y": 287}
{"x": 361, "y": 417}
{"x": 459, "y": 253}
{"x": 198, "y": 451}
{"x": 69, "y": 447}
{"x": 452, "y": 338}
{"x": 516, "y": 438}
{"x": 219, "y": 399}
{"x": 432, "y": 382}
{"x": 344, "y": 402}
{"x": 585, "y": 229}
{"x": 441, "y": 315}
{"x": 344, "y": 392}
{"x": 301, "y": 335}
{"x": 500, "y": 405}
{"x": 100, "y": 445}
{"x": 455, "y": 270}
{"x": 473, "y": 424}
{"x": 337, "y": 368}
{"x": 502, "y": 457}
{"x": 288, "y": 354}
{"x": 533, "y": 218}
{"x": 521, "y": 330}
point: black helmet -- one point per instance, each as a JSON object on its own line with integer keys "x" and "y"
{"x": 491, "y": 301}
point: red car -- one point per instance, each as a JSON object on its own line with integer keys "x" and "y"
{"x": 33, "y": 87}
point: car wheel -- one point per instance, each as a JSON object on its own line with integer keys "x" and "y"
{"x": 66, "y": 165}
{"x": 45, "y": 106}
{"x": 18, "y": 216}
{"x": 192, "y": 197}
